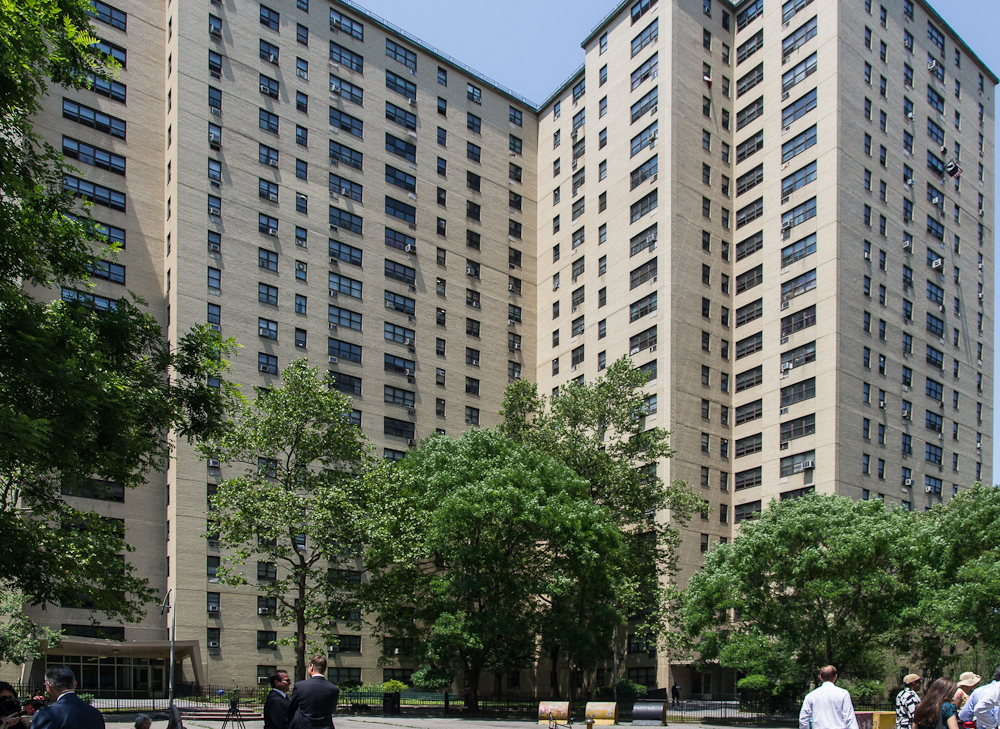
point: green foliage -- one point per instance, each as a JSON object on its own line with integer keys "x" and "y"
{"x": 598, "y": 430}
{"x": 756, "y": 683}
{"x": 20, "y": 638}
{"x": 86, "y": 698}
{"x": 863, "y": 689}
{"x": 785, "y": 573}
{"x": 85, "y": 394}
{"x": 627, "y": 691}
{"x": 431, "y": 679}
{"x": 484, "y": 536}
{"x": 394, "y": 686}
{"x": 301, "y": 502}
{"x": 959, "y": 580}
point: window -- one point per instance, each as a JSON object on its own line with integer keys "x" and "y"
{"x": 269, "y": 17}
{"x": 474, "y": 94}
{"x": 93, "y": 118}
{"x": 750, "y": 146}
{"x": 798, "y": 321}
{"x": 799, "y": 108}
{"x": 798, "y": 38}
{"x": 649, "y": 69}
{"x": 749, "y": 80}
{"x": 798, "y": 144}
{"x": 643, "y": 206}
{"x": 749, "y": 47}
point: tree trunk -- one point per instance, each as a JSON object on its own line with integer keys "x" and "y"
{"x": 554, "y": 670}
{"x": 472, "y": 675}
{"x": 300, "y": 629}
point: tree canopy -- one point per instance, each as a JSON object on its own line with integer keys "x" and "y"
{"x": 301, "y": 507}
{"x": 810, "y": 582}
{"x": 484, "y": 538}
{"x": 601, "y": 431}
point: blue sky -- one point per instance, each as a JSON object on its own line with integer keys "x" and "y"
{"x": 531, "y": 47}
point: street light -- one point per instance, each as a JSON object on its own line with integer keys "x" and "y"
{"x": 167, "y": 606}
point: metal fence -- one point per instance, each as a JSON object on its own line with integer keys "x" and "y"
{"x": 194, "y": 698}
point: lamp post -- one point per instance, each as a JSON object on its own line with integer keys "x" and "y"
{"x": 166, "y": 605}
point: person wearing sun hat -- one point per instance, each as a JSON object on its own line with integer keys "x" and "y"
{"x": 967, "y": 715}
{"x": 907, "y": 700}
{"x": 966, "y": 683}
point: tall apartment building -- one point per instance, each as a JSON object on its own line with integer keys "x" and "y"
{"x": 815, "y": 309}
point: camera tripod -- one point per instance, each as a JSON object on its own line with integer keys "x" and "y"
{"x": 234, "y": 714}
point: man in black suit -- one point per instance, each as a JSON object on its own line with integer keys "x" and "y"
{"x": 276, "y": 705}
{"x": 314, "y": 700}
{"x": 66, "y": 711}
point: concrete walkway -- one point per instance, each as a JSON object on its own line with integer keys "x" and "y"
{"x": 379, "y": 722}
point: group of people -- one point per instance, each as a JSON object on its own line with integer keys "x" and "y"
{"x": 312, "y": 704}
{"x": 65, "y": 710}
{"x": 948, "y": 704}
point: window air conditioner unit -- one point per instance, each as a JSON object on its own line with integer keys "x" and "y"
{"x": 215, "y": 110}
{"x": 411, "y": 411}
{"x": 213, "y": 608}
{"x": 909, "y": 115}
{"x": 511, "y": 287}
{"x": 980, "y": 296}
{"x": 333, "y": 648}
{"x": 333, "y": 360}
{"x": 932, "y": 64}
{"x": 411, "y": 442}
{"x": 982, "y": 212}
{"x": 263, "y": 679}
{"x": 909, "y": 181}
{"x": 264, "y": 332}
{"x": 262, "y": 368}
{"x": 517, "y": 345}
{"x": 907, "y": 481}
{"x": 215, "y": 247}
{"x": 272, "y": 232}
{"x": 262, "y": 611}
{"x": 215, "y": 327}
{"x": 299, "y": 266}
{"x": 938, "y": 263}
{"x": 409, "y": 372}
{"x": 906, "y": 413}
{"x": 212, "y": 30}
{"x": 265, "y": 89}
{"x": 868, "y": 255}
{"x": 510, "y": 322}
{"x": 517, "y": 375}
{"x": 927, "y": 489}
{"x": 881, "y": 404}
{"x": 935, "y": 200}
{"x": 388, "y": 305}
{"x": 334, "y": 261}
{"x": 213, "y": 644}
{"x": 470, "y": 271}
{"x": 214, "y": 463}
{"x": 808, "y": 465}
{"x": 410, "y": 248}
{"x": 215, "y": 211}
{"x": 333, "y": 294}
{"x": 785, "y": 305}
{"x": 786, "y": 225}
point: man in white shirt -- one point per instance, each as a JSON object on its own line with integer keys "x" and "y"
{"x": 968, "y": 711}
{"x": 986, "y": 709}
{"x": 828, "y": 707}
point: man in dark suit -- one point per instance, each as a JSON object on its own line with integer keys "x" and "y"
{"x": 314, "y": 700}
{"x": 276, "y": 705}
{"x": 66, "y": 711}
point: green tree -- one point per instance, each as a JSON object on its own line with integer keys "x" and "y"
{"x": 484, "y": 536}
{"x": 300, "y": 511}
{"x": 84, "y": 394}
{"x": 959, "y": 581}
{"x": 600, "y": 431}
{"x": 814, "y": 581}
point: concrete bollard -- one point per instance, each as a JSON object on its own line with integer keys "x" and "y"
{"x": 602, "y": 712}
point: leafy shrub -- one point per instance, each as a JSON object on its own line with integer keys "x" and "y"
{"x": 627, "y": 691}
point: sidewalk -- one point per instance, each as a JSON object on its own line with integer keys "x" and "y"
{"x": 386, "y": 722}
